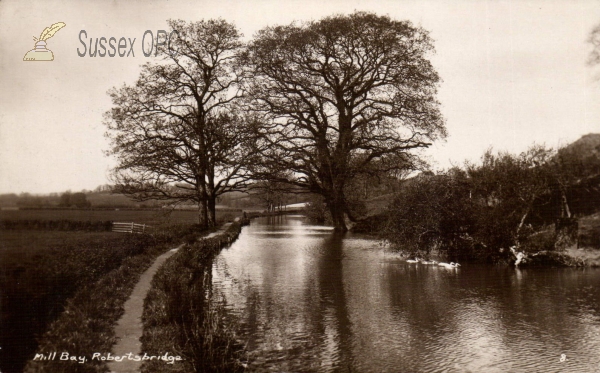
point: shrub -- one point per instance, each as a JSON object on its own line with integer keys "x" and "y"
{"x": 543, "y": 240}
{"x": 480, "y": 211}
{"x": 316, "y": 210}
{"x": 433, "y": 212}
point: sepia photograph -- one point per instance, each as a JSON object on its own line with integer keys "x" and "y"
{"x": 359, "y": 186}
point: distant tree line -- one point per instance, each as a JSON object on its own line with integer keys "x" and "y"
{"x": 102, "y": 197}
{"x": 64, "y": 200}
{"x": 78, "y": 200}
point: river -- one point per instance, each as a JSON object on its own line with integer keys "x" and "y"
{"x": 309, "y": 300}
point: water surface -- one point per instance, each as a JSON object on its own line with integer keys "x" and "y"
{"x": 310, "y": 300}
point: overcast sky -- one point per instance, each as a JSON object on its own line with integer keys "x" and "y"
{"x": 514, "y": 73}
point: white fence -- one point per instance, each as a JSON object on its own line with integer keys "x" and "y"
{"x": 130, "y": 227}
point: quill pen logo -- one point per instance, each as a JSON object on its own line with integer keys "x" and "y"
{"x": 40, "y": 52}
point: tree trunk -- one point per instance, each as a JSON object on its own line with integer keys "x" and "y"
{"x": 212, "y": 211}
{"x": 566, "y": 233}
{"x": 337, "y": 208}
{"x": 521, "y": 224}
{"x": 565, "y": 210}
{"x": 201, "y": 191}
{"x": 211, "y": 196}
{"x": 203, "y": 214}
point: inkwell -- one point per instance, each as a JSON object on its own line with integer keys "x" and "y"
{"x": 40, "y": 52}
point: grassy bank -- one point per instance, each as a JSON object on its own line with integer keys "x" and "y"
{"x": 182, "y": 317}
{"x": 43, "y": 273}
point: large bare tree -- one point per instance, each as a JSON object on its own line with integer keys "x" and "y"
{"x": 175, "y": 132}
{"x": 338, "y": 94}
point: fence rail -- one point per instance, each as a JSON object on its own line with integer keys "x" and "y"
{"x": 130, "y": 227}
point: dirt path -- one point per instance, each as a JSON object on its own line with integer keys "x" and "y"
{"x": 221, "y": 230}
{"x": 129, "y": 328}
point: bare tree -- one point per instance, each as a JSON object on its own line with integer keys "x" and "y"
{"x": 174, "y": 132}
{"x": 229, "y": 154}
{"x": 337, "y": 95}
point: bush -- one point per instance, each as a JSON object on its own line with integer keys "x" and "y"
{"x": 543, "y": 240}
{"x": 316, "y": 210}
{"x": 433, "y": 212}
{"x": 372, "y": 224}
{"x": 480, "y": 211}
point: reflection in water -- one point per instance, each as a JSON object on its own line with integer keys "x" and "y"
{"x": 313, "y": 300}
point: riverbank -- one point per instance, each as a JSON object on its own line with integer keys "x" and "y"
{"x": 181, "y": 316}
{"x": 539, "y": 250}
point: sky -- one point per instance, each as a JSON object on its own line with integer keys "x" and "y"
{"x": 514, "y": 73}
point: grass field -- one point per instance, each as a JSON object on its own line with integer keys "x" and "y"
{"x": 87, "y": 322}
{"x": 41, "y": 270}
{"x": 26, "y": 242}
{"x": 150, "y": 217}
